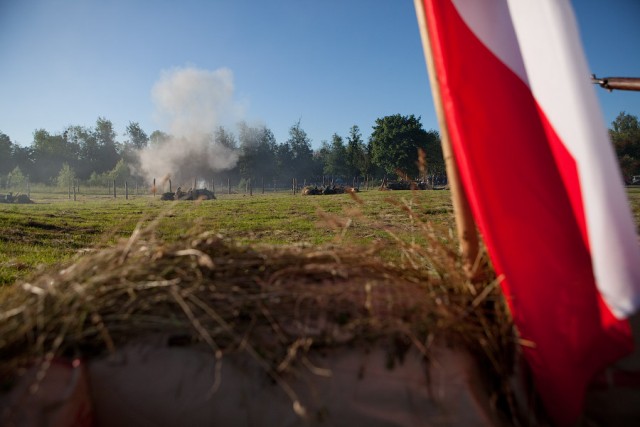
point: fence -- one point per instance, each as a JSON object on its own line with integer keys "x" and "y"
{"x": 116, "y": 189}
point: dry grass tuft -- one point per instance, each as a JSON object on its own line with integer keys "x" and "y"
{"x": 274, "y": 302}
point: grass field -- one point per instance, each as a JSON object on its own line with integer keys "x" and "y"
{"x": 56, "y": 229}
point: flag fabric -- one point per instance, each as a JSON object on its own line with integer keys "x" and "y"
{"x": 543, "y": 183}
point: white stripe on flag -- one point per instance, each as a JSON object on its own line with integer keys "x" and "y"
{"x": 559, "y": 79}
{"x": 491, "y": 23}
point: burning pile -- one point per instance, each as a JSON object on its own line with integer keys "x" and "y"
{"x": 191, "y": 194}
{"x": 403, "y": 185}
{"x": 329, "y": 189}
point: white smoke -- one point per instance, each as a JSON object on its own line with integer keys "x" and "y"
{"x": 191, "y": 103}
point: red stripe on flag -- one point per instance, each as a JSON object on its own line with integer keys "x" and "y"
{"x": 566, "y": 165}
{"x": 525, "y": 213}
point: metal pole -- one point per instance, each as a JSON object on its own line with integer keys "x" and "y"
{"x": 619, "y": 83}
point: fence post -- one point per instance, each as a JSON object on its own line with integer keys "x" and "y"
{"x": 126, "y": 191}
{"x": 170, "y": 190}
{"x": 114, "y": 188}
{"x": 263, "y": 185}
{"x": 154, "y": 187}
{"x": 69, "y": 189}
{"x": 228, "y": 186}
{"x": 250, "y": 187}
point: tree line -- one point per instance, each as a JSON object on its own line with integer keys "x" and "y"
{"x": 625, "y": 135}
{"x": 94, "y": 155}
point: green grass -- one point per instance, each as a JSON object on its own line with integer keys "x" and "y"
{"x": 634, "y": 199}
{"x": 56, "y": 229}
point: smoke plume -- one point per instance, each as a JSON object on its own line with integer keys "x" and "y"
{"x": 191, "y": 103}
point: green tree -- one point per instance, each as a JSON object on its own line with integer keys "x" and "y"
{"x": 435, "y": 167}
{"x": 355, "y": 153}
{"x": 23, "y": 158}
{"x": 321, "y": 157}
{"x": 249, "y": 147}
{"x": 6, "y": 151}
{"x": 137, "y": 138}
{"x": 258, "y": 153}
{"x": 136, "y": 141}
{"x": 625, "y": 135}
{"x": 50, "y": 152}
{"x": 300, "y": 145}
{"x": 158, "y": 137}
{"x": 225, "y": 138}
{"x": 370, "y": 168}
{"x": 66, "y": 176}
{"x": 107, "y": 155}
{"x": 96, "y": 147}
{"x": 96, "y": 180}
{"x": 120, "y": 173}
{"x": 284, "y": 161}
{"x": 336, "y": 161}
{"x": 16, "y": 179}
{"x": 87, "y": 147}
{"x": 395, "y": 142}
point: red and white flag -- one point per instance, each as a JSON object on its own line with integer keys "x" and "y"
{"x": 542, "y": 181}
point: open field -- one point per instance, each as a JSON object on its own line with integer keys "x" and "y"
{"x": 55, "y": 229}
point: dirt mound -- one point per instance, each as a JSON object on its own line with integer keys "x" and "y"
{"x": 19, "y": 198}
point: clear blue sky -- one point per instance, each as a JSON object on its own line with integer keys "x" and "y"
{"x": 329, "y": 63}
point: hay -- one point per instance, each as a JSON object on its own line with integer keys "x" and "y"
{"x": 275, "y": 303}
